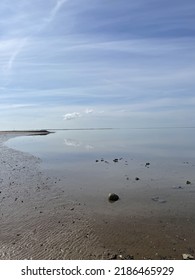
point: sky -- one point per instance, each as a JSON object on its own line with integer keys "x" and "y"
{"x": 97, "y": 63}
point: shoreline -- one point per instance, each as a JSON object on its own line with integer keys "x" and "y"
{"x": 37, "y": 217}
{"x": 26, "y": 132}
{"x": 42, "y": 218}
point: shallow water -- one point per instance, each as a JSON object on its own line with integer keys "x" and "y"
{"x": 73, "y": 146}
{"x": 86, "y": 157}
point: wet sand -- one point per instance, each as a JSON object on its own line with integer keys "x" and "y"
{"x": 44, "y": 216}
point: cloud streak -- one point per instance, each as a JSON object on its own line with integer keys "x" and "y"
{"x": 55, "y": 10}
{"x": 18, "y": 49}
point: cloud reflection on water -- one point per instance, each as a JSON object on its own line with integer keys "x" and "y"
{"x": 74, "y": 143}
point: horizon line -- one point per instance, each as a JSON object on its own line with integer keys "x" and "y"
{"x": 96, "y": 128}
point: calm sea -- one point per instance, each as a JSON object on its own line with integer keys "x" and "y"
{"x": 138, "y": 164}
{"x": 84, "y": 146}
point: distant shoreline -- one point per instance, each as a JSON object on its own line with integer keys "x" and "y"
{"x": 36, "y": 132}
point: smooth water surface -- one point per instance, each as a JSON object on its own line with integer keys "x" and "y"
{"x": 169, "y": 151}
{"x": 79, "y": 146}
{"x": 138, "y": 164}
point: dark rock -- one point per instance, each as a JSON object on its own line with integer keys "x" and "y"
{"x": 158, "y": 199}
{"x": 178, "y": 187}
{"x": 137, "y": 178}
{"x": 188, "y": 182}
{"x": 115, "y": 160}
{"x": 113, "y": 197}
{"x": 97, "y": 160}
{"x": 147, "y": 164}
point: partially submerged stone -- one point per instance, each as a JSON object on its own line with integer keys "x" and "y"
{"x": 113, "y": 197}
{"x": 158, "y": 199}
{"x": 188, "y": 182}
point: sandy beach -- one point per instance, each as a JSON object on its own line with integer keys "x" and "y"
{"x": 40, "y": 221}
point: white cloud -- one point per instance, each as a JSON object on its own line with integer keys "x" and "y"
{"x": 76, "y": 115}
{"x": 89, "y": 111}
{"x": 72, "y": 116}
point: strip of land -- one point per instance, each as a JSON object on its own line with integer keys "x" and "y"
{"x": 24, "y": 132}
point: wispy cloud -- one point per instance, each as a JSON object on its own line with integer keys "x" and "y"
{"x": 17, "y": 106}
{"x": 16, "y": 51}
{"x": 55, "y": 10}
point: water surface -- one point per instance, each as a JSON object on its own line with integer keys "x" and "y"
{"x": 83, "y": 145}
{"x": 87, "y": 156}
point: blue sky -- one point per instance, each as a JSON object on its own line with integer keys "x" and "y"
{"x": 97, "y": 63}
